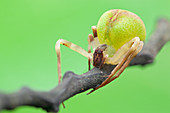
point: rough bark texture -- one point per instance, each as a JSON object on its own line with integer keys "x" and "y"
{"x": 73, "y": 84}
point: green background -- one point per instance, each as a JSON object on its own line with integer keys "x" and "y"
{"x": 29, "y": 30}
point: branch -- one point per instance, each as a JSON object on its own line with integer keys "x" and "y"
{"x": 73, "y": 84}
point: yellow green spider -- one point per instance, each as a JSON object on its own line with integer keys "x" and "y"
{"x": 116, "y": 40}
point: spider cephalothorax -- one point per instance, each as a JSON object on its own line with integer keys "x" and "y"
{"x": 98, "y": 56}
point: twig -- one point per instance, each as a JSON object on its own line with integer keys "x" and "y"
{"x": 73, "y": 84}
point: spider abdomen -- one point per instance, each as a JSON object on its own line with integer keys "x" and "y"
{"x": 117, "y": 27}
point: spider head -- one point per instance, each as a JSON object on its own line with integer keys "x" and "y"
{"x": 98, "y": 57}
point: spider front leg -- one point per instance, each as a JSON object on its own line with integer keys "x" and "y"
{"x": 71, "y": 46}
{"x": 131, "y": 56}
{"x": 136, "y": 47}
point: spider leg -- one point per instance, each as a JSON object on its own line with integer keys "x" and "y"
{"x": 118, "y": 56}
{"x": 92, "y": 42}
{"x": 127, "y": 62}
{"x": 112, "y": 73}
{"x": 90, "y": 39}
{"x": 71, "y": 46}
{"x": 132, "y": 52}
{"x": 95, "y": 42}
{"x": 94, "y": 29}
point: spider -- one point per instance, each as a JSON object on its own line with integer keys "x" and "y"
{"x": 116, "y": 40}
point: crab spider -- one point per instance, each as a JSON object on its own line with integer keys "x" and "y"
{"x": 116, "y": 40}
{"x": 101, "y": 55}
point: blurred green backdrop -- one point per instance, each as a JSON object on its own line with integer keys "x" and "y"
{"x": 29, "y": 30}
